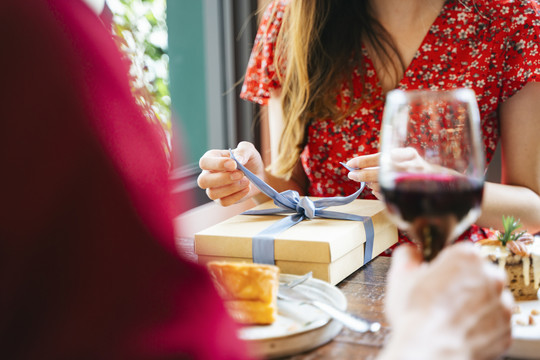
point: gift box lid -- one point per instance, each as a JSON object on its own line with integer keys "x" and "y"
{"x": 314, "y": 240}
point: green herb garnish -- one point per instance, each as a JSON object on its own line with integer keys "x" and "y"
{"x": 510, "y": 225}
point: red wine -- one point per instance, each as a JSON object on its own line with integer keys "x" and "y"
{"x": 432, "y": 206}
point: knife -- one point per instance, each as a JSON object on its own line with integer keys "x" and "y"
{"x": 352, "y": 322}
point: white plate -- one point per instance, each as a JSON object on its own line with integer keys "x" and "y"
{"x": 526, "y": 338}
{"x": 299, "y": 327}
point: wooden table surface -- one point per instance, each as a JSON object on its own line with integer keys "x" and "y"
{"x": 364, "y": 290}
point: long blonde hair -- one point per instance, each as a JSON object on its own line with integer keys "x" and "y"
{"x": 320, "y": 43}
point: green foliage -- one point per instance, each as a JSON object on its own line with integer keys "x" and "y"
{"x": 141, "y": 31}
{"x": 510, "y": 225}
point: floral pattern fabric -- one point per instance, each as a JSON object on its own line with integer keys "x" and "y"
{"x": 490, "y": 46}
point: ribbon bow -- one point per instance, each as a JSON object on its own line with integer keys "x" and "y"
{"x": 301, "y": 208}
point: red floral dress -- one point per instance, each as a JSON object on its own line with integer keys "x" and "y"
{"x": 490, "y": 46}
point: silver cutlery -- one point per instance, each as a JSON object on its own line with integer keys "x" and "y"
{"x": 298, "y": 280}
{"x": 288, "y": 293}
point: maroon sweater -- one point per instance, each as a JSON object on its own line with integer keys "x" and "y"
{"x": 88, "y": 267}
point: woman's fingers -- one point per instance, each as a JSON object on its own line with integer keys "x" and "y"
{"x": 244, "y": 151}
{"x": 217, "y": 160}
{"x": 404, "y": 154}
{"x": 221, "y": 178}
{"x": 366, "y": 175}
{"x": 235, "y": 197}
{"x": 229, "y": 194}
{"x": 367, "y": 168}
{"x": 208, "y": 179}
{"x": 370, "y": 177}
{"x": 247, "y": 155}
{"x": 364, "y": 161}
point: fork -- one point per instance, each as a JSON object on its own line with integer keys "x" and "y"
{"x": 287, "y": 293}
{"x": 291, "y": 284}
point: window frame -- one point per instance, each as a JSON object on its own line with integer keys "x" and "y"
{"x": 229, "y": 28}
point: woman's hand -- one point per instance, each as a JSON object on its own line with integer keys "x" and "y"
{"x": 367, "y": 170}
{"x": 403, "y": 159}
{"x": 222, "y": 180}
{"x": 455, "y": 307}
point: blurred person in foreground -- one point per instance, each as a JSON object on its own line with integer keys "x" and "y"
{"x": 88, "y": 265}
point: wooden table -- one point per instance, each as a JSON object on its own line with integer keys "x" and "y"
{"x": 365, "y": 290}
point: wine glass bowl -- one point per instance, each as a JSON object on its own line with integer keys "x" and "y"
{"x": 432, "y": 164}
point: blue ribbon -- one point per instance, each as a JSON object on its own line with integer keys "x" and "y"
{"x": 350, "y": 168}
{"x": 301, "y": 208}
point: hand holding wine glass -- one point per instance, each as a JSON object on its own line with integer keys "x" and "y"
{"x": 432, "y": 164}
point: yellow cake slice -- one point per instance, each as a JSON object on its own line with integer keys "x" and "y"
{"x": 249, "y": 290}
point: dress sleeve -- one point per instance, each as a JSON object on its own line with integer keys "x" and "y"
{"x": 261, "y": 75}
{"x": 522, "y": 48}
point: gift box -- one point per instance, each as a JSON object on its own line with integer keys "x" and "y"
{"x": 332, "y": 249}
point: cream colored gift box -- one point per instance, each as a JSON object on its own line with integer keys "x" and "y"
{"x": 331, "y": 249}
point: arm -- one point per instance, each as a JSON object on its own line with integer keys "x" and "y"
{"x": 298, "y": 181}
{"x": 275, "y": 121}
{"x": 518, "y": 195}
{"x": 88, "y": 264}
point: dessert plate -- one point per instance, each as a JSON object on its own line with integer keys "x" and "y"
{"x": 299, "y": 327}
{"x": 526, "y": 338}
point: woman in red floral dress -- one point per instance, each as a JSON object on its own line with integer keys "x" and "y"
{"x": 324, "y": 82}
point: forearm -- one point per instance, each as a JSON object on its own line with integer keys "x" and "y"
{"x": 517, "y": 201}
{"x": 520, "y": 196}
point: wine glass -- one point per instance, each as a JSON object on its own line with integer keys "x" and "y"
{"x": 432, "y": 164}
